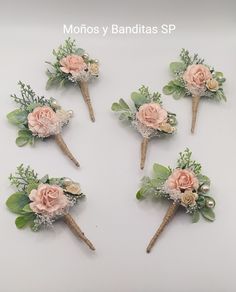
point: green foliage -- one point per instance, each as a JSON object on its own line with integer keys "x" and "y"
{"x": 17, "y": 201}
{"x": 176, "y": 88}
{"x": 17, "y": 117}
{"x": 195, "y": 216}
{"x": 208, "y": 213}
{"x": 25, "y": 137}
{"x": 177, "y": 67}
{"x": 138, "y": 99}
{"x": 28, "y": 99}
{"x": 185, "y": 161}
{"x": 68, "y": 48}
{"x": 24, "y": 220}
{"x": 189, "y": 60}
{"x": 23, "y": 177}
{"x": 161, "y": 172}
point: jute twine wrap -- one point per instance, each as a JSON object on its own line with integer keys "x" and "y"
{"x": 144, "y": 146}
{"x": 195, "y": 104}
{"x": 77, "y": 231}
{"x": 85, "y": 92}
{"x": 61, "y": 143}
{"x": 168, "y": 216}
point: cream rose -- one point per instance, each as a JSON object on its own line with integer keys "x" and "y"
{"x": 166, "y": 127}
{"x": 196, "y": 77}
{"x": 43, "y": 122}
{"x": 212, "y": 85}
{"x": 48, "y": 200}
{"x": 151, "y": 115}
{"x": 94, "y": 69}
{"x": 179, "y": 181}
{"x": 188, "y": 198}
{"x": 73, "y": 188}
{"x": 72, "y": 64}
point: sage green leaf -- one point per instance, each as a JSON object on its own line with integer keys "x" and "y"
{"x": 139, "y": 195}
{"x": 179, "y": 92}
{"x": 17, "y": 201}
{"x": 123, "y": 104}
{"x": 79, "y": 52}
{"x": 176, "y": 67}
{"x": 195, "y": 216}
{"x": 31, "y": 186}
{"x": 17, "y": 117}
{"x": 44, "y": 179}
{"x": 138, "y": 99}
{"x": 168, "y": 89}
{"x": 22, "y": 140}
{"x": 218, "y": 74}
{"x": 178, "y": 83}
{"x": 201, "y": 201}
{"x": 24, "y": 220}
{"x": 27, "y": 209}
{"x": 161, "y": 172}
{"x": 208, "y": 213}
{"x": 116, "y": 107}
{"x": 25, "y": 133}
{"x": 203, "y": 179}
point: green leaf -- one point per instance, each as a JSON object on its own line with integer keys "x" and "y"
{"x": 201, "y": 201}
{"x": 27, "y": 209}
{"x": 203, "y": 179}
{"x": 44, "y": 179}
{"x": 123, "y": 104}
{"x": 138, "y": 99}
{"x": 195, "y": 216}
{"x": 17, "y": 201}
{"x": 208, "y": 213}
{"x": 32, "y": 186}
{"x": 179, "y": 92}
{"x": 17, "y": 117}
{"x": 25, "y": 133}
{"x": 139, "y": 195}
{"x": 218, "y": 74}
{"x": 168, "y": 89}
{"x": 161, "y": 172}
{"x": 24, "y": 220}
{"x": 178, "y": 83}
{"x": 176, "y": 67}
{"x": 116, "y": 107}
{"x": 22, "y": 140}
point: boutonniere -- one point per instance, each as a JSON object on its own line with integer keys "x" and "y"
{"x": 39, "y": 118}
{"x": 183, "y": 186}
{"x": 192, "y": 77}
{"x": 73, "y": 65}
{"x": 39, "y": 202}
{"x": 147, "y": 116}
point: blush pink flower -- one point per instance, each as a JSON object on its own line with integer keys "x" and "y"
{"x": 43, "y": 122}
{"x": 72, "y": 64}
{"x": 151, "y": 115}
{"x": 179, "y": 181}
{"x": 196, "y": 77}
{"x": 48, "y": 200}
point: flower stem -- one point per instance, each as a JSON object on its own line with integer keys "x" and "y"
{"x": 195, "y": 104}
{"x": 61, "y": 143}
{"x": 85, "y": 92}
{"x": 168, "y": 216}
{"x": 144, "y": 146}
{"x": 70, "y": 222}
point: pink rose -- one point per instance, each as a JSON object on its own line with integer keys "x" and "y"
{"x": 181, "y": 180}
{"x": 196, "y": 77}
{"x": 72, "y": 64}
{"x": 48, "y": 200}
{"x": 43, "y": 122}
{"x": 151, "y": 115}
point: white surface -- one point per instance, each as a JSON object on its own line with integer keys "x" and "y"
{"x": 187, "y": 258}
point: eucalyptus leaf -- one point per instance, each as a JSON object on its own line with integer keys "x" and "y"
{"x": 27, "y": 209}
{"x": 161, "y": 172}
{"x": 24, "y": 220}
{"x": 208, "y": 213}
{"x": 177, "y": 67}
{"x": 139, "y": 195}
{"x": 17, "y": 117}
{"x": 123, "y": 104}
{"x": 22, "y": 140}
{"x": 116, "y": 107}
{"x": 138, "y": 99}
{"x": 17, "y": 201}
{"x": 168, "y": 89}
{"x": 195, "y": 216}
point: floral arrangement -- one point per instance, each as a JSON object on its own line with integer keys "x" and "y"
{"x": 39, "y": 118}
{"x": 39, "y": 202}
{"x": 147, "y": 116}
{"x": 184, "y": 186}
{"x": 192, "y": 77}
{"x": 73, "y": 65}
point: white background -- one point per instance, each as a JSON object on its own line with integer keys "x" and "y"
{"x": 188, "y": 257}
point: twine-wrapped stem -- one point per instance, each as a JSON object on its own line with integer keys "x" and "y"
{"x": 68, "y": 219}
{"x": 85, "y": 92}
{"x": 144, "y": 146}
{"x": 168, "y": 216}
{"x": 195, "y": 104}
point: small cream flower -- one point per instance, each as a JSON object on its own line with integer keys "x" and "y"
{"x": 166, "y": 127}
{"x": 73, "y": 188}
{"x": 94, "y": 68}
{"x": 189, "y": 198}
{"x": 212, "y": 85}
